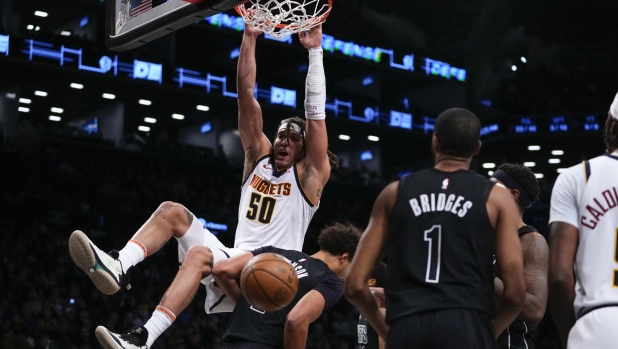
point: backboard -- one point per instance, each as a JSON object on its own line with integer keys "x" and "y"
{"x": 132, "y": 23}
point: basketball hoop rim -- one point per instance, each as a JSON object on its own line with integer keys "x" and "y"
{"x": 318, "y": 19}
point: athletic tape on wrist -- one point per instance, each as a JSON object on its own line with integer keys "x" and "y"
{"x": 315, "y": 86}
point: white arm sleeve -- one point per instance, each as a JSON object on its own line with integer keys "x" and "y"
{"x": 315, "y": 86}
{"x": 564, "y": 201}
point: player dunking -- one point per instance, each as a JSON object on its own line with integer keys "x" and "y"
{"x": 282, "y": 185}
{"x": 440, "y": 227}
{"x": 524, "y": 189}
{"x": 583, "y": 253}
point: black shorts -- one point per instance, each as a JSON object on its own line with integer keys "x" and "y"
{"x": 245, "y": 345}
{"x": 443, "y": 329}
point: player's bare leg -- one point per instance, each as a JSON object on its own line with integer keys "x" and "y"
{"x": 197, "y": 265}
{"x": 108, "y": 271}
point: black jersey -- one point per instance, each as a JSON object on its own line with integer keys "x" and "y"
{"x": 367, "y": 337}
{"x": 440, "y": 244}
{"x": 519, "y": 334}
{"x": 247, "y": 324}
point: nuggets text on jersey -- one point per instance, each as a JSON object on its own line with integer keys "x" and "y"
{"x": 264, "y": 187}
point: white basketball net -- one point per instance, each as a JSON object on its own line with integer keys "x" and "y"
{"x": 279, "y": 18}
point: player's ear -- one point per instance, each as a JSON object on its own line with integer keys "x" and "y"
{"x": 435, "y": 144}
{"x": 371, "y": 282}
{"x": 478, "y": 148}
{"x": 344, "y": 257}
{"x": 515, "y": 194}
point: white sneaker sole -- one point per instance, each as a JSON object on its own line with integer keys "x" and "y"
{"x": 106, "y": 340}
{"x": 83, "y": 256}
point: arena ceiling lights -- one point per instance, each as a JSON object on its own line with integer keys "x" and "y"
{"x": 344, "y": 137}
{"x": 534, "y": 147}
{"x": 109, "y": 96}
{"x": 489, "y": 165}
{"x": 178, "y": 116}
{"x": 145, "y": 102}
{"x": 40, "y": 93}
{"x": 203, "y": 108}
{"x": 40, "y": 14}
{"x": 77, "y": 86}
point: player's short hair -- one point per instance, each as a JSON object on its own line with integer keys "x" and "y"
{"x": 338, "y": 238}
{"x": 379, "y": 273}
{"x": 610, "y": 133}
{"x": 302, "y": 123}
{"x": 526, "y": 178}
{"x": 458, "y": 131}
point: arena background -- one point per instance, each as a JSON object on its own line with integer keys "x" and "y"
{"x": 95, "y": 140}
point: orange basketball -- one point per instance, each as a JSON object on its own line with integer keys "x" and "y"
{"x": 269, "y": 282}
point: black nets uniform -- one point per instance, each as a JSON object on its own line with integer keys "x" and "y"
{"x": 440, "y": 250}
{"x": 519, "y": 334}
{"x": 367, "y": 337}
{"x": 250, "y": 328}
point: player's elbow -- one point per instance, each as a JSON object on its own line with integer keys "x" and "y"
{"x": 222, "y": 270}
{"x": 353, "y": 289}
{"x": 559, "y": 278}
{"x": 296, "y": 323}
{"x": 514, "y": 294}
{"x": 534, "y": 314}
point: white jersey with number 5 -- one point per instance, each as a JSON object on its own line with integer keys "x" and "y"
{"x": 586, "y": 196}
{"x": 274, "y": 209}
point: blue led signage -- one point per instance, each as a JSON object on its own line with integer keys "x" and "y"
{"x": 137, "y": 70}
{"x": 147, "y": 71}
{"x": 558, "y": 124}
{"x": 351, "y": 49}
{"x": 207, "y": 127}
{"x": 210, "y": 82}
{"x": 485, "y": 130}
{"x": 212, "y": 226}
{"x": 4, "y": 44}
{"x": 366, "y": 155}
{"x": 400, "y": 119}
{"x": 525, "y": 126}
{"x": 91, "y": 126}
{"x": 591, "y": 123}
{"x": 445, "y": 70}
{"x": 283, "y": 96}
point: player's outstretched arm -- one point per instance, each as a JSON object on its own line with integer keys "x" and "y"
{"x": 250, "y": 122}
{"x": 369, "y": 252}
{"x": 563, "y": 241}
{"x": 306, "y": 311}
{"x": 227, "y": 271}
{"x": 316, "y": 137}
{"x": 509, "y": 258}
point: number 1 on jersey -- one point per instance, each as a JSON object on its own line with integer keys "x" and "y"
{"x": 434, "y": 237}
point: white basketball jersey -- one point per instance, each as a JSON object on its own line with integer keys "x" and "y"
{"x": 273, "y": 209}
{"x": 586, "y": 196}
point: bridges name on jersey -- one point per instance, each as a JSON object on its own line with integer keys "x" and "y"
{"x": 268, "y": 188}
{"x": 599, "y": 206}
{"x": 440, "y": 202}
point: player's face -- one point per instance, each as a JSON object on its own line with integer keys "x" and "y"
{"x": 287, "y": 147}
